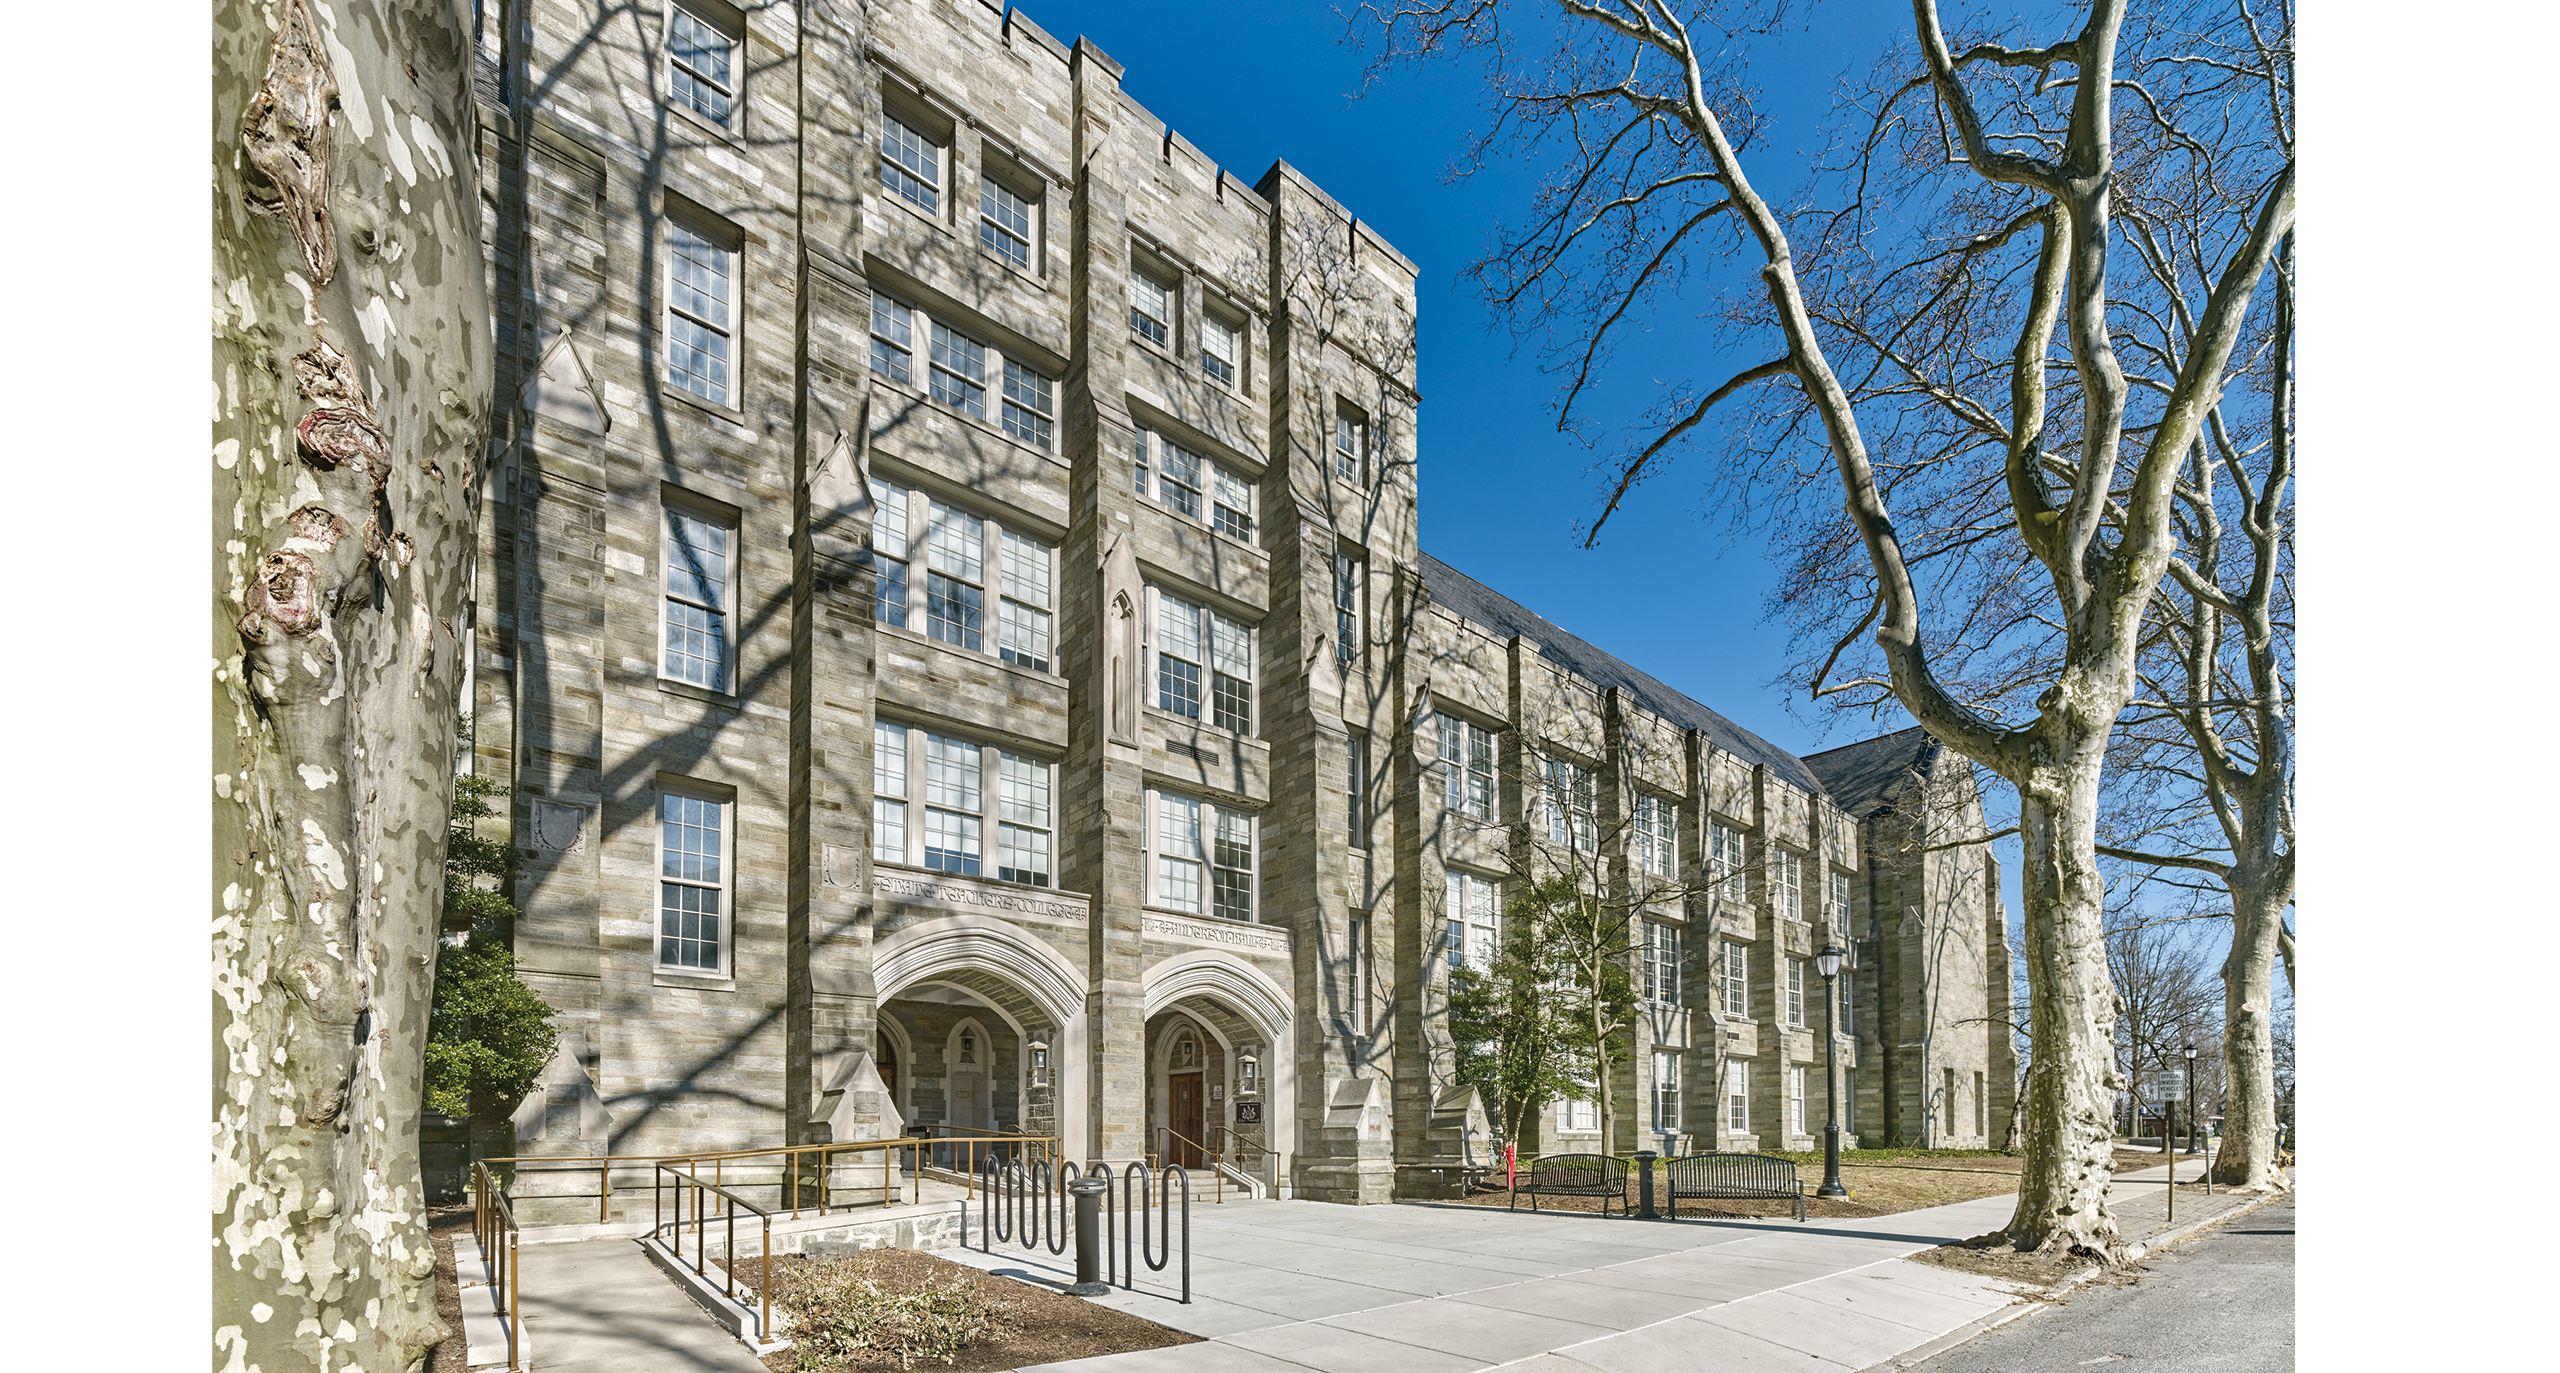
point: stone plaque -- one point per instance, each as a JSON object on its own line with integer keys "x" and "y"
{"x": 558, "y": 828}
{"x": 1248, "y": 1113}
{"x": 837, "y": 862}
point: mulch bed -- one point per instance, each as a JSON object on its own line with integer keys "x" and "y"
{"x": 1495, "y": 1194}
{"x": 444, "y": 1223}
{"x": 1034, "y": 1324}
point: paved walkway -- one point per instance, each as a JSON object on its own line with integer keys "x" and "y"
{"x": 600, "y": 1306}
{"x": 1282, "y": 1287}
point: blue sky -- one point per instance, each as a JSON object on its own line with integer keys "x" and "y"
{"x": 1502, "y": 492}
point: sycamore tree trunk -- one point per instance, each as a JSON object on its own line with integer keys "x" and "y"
{"x": 2069, "y": 1107}
{"x": 2245, "y": 1160}
{"x": 351, "y": 375}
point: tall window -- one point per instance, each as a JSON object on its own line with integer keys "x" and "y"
{"x": 1568, "y": 791}
{"x": 1657, "y": 825}
{"x": 1193, "y": 642}
{"x": 1735, "y": 970}
{"x": 957, "y": 368}
{"x": 1356, "y": 789}
{"x": 1023, "y": 820}
{"x": 1466, "y": 751}
{"x": 911, "y": 165}
{"x": 1023, "y": 628}
{"x": 700, "y": 58}
{"x": 1666, "y": 1092}
{"x": 1004, "y": 222}
{"x": 701, "y": 311}
{"x": 1350, "y": 444}
{"x": 888, "y": 792}
{"x": 697, "y": 599}
{"x": 1219, "y": 350}
{"x": 1356, "y": 973}
{"x": 1199, "y": 486}
{"x": 1848, "y": 991}
{"x": 889, "y": 553}
{"x": 1346, "y": 605}
{"x": 1661, "y": 963}
{"x": 692, "y": 880}
{"x": 1795, "y": 992}
{"x": 954, "y": 804}
{"x": 1947, "y": 1122}
{"x": 1795, "y": 1099}
{"x": 955, "y": 596}
{"x": 1786, "y": 871}
{"x": 1204, "y": 857}
{"x": 1737, "y": 1095}
{"x": 1151, "y": 300}
{"x": 1725, "y": 862}
{"x": 1839, "y": 905}
{"x": 1475, "y": 920}
{"x": 1981, "y": 1107}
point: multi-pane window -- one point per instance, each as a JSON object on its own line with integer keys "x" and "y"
{"x": 1734, "y": 971}
{"x": 1350, "y": 444}
{"x": 952, "y": 777}
{"x": 889, "y": 553}
{"x": 1839, "y": 904}
{"x": 1204, "y": 856}
{"x": 911, "y": 165}
{"x": 1661, "y": 963}
{"x": 1786, "y": 875}
{"x": 1737, "y": 1095}
{"x": 701, "y": 311}
{"x": 1466, "y": 751}
{"x": 697, "y": 599}
{"x": 700, "y": 58}
{"x": 1023, "y": 628}
{"x": 1346, "y": 605}
{"x": 888, "y": 791}
{"x": 1151, "y": 306}
{"x": 1848, "y": 994}
{"x": 1475, "y": 920}
{"x": 955, "y": 597}
{"x": 1725, "y": 862}
{"x": 1193, "y": 641}
{"x": 1657, "y": 825}
{"x": 1577, "y": 1113}
{"x": 954, "y": 804}
{"x": 1569, "y": 795}
{"x": 1004, "y": 222}
{"x": 1199, "y": 486}
{"x": 692, "y": 882}
{"x": 957, "y": 366}
{"x": 1795, "y": 1099}
{"x": 1795, "y": 992}
{"x": 1219, "y": 338}
{"x": 1666, "y": 1092}
{"x": 1023, "y": 819}
{"x": 1356, "y": 789}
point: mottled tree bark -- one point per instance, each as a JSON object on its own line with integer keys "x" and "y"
{"x": 351, "y": 376}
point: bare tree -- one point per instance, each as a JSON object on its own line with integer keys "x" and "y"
{"x": 2164, "y": 998}
{"x": 351, "y": 376}
{"x": 2019, "y": 477}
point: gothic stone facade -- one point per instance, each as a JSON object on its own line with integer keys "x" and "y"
{"x": 951, "y": 552}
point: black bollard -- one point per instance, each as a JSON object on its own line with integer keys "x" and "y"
{"x": 1088, "y": 1194}
{"x": 1644, "y": 1170}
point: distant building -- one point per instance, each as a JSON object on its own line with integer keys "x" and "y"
{"x": 949, "y": 610}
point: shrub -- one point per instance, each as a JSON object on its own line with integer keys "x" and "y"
{"x": 836, "y": 1313}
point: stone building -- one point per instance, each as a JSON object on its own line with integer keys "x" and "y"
{"x": 949, "y": 610}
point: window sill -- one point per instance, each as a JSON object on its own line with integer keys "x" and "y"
{"x": 734, "y": 140}
{"x": 1038, "y": 281}
{"x": 673, "y": 687}
{"x": 1207, "y": 729}
{"x": 881, "y": 192}
{"x": 713, "y": 408}
{"x": 974, "y": 654}
{"x": 664, "y": 976}
{"x": 994, "y": 431}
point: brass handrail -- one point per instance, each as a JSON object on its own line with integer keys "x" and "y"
{"x": 729, "y": 1249}
{"x": 1165, "y": 1132}
{"x": 493, "y": 1225}
{"x": 792, "y": 1158}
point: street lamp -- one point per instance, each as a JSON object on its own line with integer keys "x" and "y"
{"x": 1828, "y": 963}
{"x": 2190, "y": 1052}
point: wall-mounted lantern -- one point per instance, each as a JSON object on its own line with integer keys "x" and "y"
{"x": 1039, "y": 1059}
{"x": 1248, "y": 1072}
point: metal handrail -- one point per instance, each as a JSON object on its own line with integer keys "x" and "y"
{"x": 691, "y": 1181}
{"x": 493, "y": 1225}
{"x": 794, "y": 1160}
{"x": 1166, "y": 1132}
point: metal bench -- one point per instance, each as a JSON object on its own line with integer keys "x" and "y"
{"x": 1705, "y": 1177}
{"x": 1572, "y": 1175}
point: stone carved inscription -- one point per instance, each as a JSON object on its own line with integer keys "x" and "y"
{"x": 1257, "y": 938}
{"x": 906, "y": 888}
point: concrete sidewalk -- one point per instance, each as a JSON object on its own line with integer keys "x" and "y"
{"x": 1282, "y": 1287}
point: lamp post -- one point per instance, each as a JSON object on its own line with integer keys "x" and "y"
{"x": 1828, "y": 963}
{"x": 2190, "y": 1052}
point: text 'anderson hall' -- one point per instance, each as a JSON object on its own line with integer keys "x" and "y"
{"x": 950, "y": 618}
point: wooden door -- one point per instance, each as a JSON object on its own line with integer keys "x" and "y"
{"x": 1189, "y": 1110}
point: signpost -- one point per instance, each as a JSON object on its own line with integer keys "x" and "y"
{"x": 2168, "y": 1086}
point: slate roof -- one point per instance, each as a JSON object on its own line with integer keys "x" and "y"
{"x": 1470, "y": 599}
{"x": 1862, "y": 777}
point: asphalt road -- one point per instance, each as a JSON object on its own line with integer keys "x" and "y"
{"x": 2219, "y": 1303}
